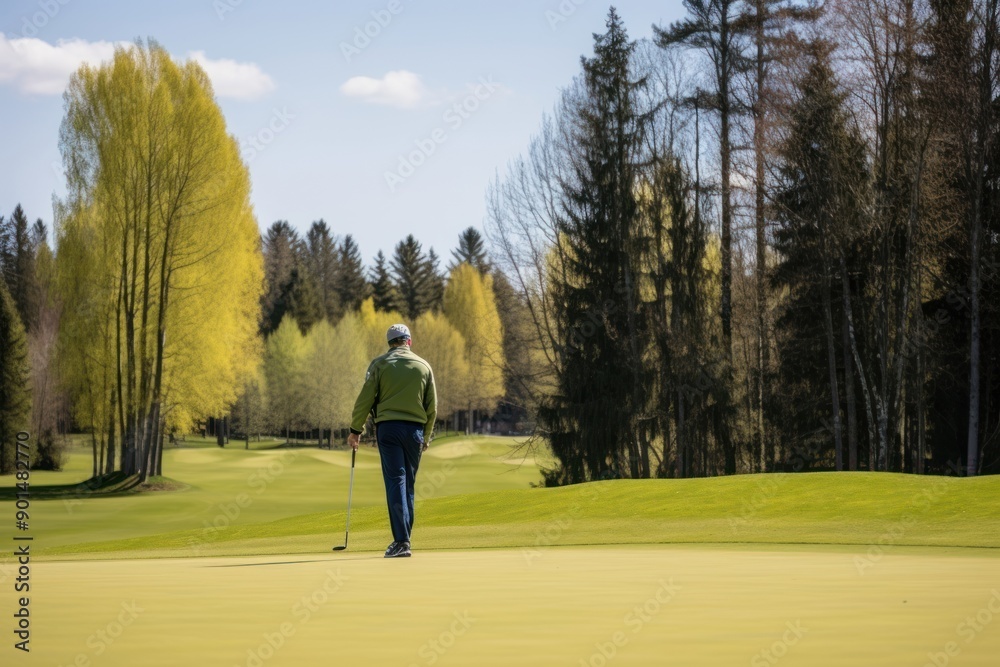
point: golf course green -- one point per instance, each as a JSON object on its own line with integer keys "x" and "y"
{"x": 229, "y": 563}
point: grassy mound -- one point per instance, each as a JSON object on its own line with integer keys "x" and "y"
{"x": 817, "y": 509}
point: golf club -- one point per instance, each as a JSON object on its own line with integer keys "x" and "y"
{"x": 350, "y": 491}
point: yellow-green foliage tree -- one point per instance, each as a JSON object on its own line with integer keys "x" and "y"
{"x": 470, "y": 306}
{"x": 336, "y": 360}
{"x": 161, "y": 244}
{"x": 440, "y": 344}
{"x": 374, "y": 324}
{"x": 284, "y": 371}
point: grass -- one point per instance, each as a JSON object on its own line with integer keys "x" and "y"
{"x": 644, "y": 605}
{"x": 235, "y": 487}
{"x": 471, "y": 493}
{"x": 870, "y": 568}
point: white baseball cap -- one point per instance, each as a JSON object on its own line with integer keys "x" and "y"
{"x": 397, "y": 331}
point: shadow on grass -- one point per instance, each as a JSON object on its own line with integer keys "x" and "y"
{"x": 110, "y": 486}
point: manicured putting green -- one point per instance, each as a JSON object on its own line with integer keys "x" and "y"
{"x": 643, "y": 605}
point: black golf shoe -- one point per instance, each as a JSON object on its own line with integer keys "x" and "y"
{"x": 398, "y": 550}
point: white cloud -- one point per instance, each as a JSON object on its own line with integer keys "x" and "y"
{"x": 242, "y": 81}
{"x": 400, "y": 89}
{"x": 36, "y": 67}
{"x": 39, "y": 68}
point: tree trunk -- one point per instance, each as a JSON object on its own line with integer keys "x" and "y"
{"x": 761, "y": 272}
{"x": 852, "y": 414}
{"x": 831, "y": 358}
{"x": 865, "y": 390}
{"x": 110, "y": 465}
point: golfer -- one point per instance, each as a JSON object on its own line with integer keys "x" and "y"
{"x": 399, "y": 388}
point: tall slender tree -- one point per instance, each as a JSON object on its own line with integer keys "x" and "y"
{"x": 154, "y": 173}
{"x": 15, "y": 394}
{"x": 411, "y": 278}
{"x": 322, "y": 266}
{"x": 600, "y": 305}
{"x": 17, "y": 259}
{"x": 716, "y": 28}
{"x": 352, "y": 287}
{"x": 383, "y": 290}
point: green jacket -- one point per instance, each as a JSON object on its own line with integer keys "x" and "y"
{"x": 401, "y": 387}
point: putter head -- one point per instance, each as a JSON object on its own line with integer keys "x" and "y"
{"x": 340, "y": 548}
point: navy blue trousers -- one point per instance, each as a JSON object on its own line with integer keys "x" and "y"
{"x": 400, "y": 444}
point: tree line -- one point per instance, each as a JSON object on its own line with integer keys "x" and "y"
{"x": 765, "y": 239}
{"x": 324, "y": 318}
{"x": 162, "y": 304}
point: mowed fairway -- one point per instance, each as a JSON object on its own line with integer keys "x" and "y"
{"x": 644, "y": 605}
{"x": 233, "y": 567}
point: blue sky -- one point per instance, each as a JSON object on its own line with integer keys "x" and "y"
{"x": 322, "y": 128}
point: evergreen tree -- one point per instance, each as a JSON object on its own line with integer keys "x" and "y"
{"x": 593, "y": 420}
{"x": 281, "y": 243}
{"x": 382, "y": 288}
{"x": 434, "y": 281}
{"x": 352, "y": 288}
{"x": 471, "y": 250}
{"x": 822, "y": 170}
{"x": 18, "y": 263}
{"x": 322, "y": 271}
{"x": 412, "y": 278}
{"x": 15, "y": 378}
{"x": 304, "y": 301}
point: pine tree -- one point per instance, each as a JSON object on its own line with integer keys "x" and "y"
{"x": 434, "y": 281}
{"x": 412, "y": 278}
{"x": 471, "y": 250}
{"x": 822, "y": 171}
{"x": 281, "y": 243}
{"x": 18, "y": 263}
{"x": 304, "y": 301}
{"x": 321, "y": 270}
{"x": 15, "y": 378}
{"x": 352, "y": 287}
{"x": 382, "y": 288}
{"x": 596, "y": 432}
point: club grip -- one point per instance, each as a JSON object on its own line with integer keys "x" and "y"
{"x": 354, "y": 455}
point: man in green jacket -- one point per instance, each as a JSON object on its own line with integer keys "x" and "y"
{"x": 399, "y": 389}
